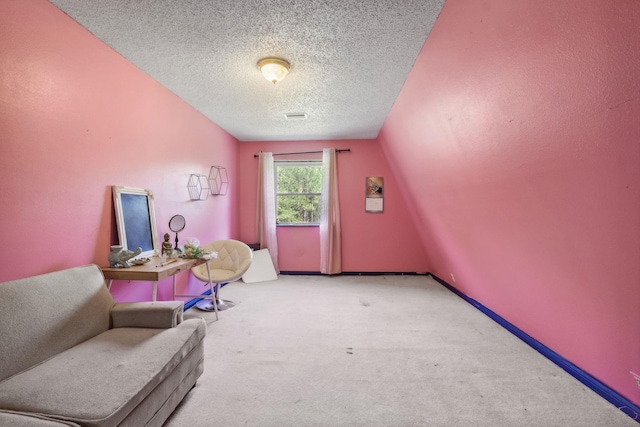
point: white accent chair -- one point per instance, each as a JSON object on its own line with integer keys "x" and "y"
{"x": 234, "y": 259}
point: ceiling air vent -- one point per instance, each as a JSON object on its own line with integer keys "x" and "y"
{"x": 295, "y": 116}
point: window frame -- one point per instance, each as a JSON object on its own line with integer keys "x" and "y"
{"x": 290, "y": 163}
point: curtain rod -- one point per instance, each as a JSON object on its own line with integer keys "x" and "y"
{"x": 345, "y": 150}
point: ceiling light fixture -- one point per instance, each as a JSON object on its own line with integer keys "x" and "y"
{"x": 274, "y": 69}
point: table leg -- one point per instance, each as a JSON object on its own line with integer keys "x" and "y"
{"x": 154, "y": 293}
{"x": 174, "y": 287}
{"x": 109, "y": 285}
{"x": 213, "y": 296}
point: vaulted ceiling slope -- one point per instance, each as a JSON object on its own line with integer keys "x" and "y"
{"x": 349, "y": 58}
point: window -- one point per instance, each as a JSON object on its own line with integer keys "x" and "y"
{"x": 298, "y": 192}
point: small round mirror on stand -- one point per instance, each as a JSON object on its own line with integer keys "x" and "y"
{"x": 176, "y": 224}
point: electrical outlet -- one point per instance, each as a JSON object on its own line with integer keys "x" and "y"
{"x": 453, "y": 278}
{"x": 636, "y": 377}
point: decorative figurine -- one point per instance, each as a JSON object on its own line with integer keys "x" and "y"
{"x": 119, "y": 258}
{"x": 166, "y": 245}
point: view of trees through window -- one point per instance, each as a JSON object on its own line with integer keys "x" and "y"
{"x": 298, "y": 192}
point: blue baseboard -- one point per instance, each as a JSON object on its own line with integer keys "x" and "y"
{"x": 615, "y": 398}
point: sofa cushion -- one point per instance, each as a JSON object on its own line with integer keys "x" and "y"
{"x": 99, "y": 382}
{"x": 159, "y": 405}
{"x": 44, "y": 315}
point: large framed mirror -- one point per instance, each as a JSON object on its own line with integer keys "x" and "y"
{"x": 136, "y": 220}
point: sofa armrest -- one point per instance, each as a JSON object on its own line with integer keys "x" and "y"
{"x": 157, "y": 314}
{"x": 24, "y": 419}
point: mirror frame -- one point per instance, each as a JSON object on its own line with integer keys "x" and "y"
{"x": 184, "y": 223}
{"x": 139, "y": 218}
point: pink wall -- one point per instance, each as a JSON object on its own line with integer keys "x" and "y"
{"x": 371, "y": 242}
{"x": 518, "y": 135}
{"x": 76, "y": 118}
{"x": 515, "y": 140}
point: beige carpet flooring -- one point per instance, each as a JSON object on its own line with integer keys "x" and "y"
{"x": 375, "y": 351}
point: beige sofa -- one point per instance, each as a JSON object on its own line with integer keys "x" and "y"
{"x": 71, "y": 356}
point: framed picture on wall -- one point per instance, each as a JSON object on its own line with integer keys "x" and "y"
{"x": 374, "y": 194}
{"x": 136, "y": 219}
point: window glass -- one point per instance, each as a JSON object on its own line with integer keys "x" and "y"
{"x": 298, "y": 192}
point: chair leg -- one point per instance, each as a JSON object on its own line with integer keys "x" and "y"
{"x": 210, "y": 304}
{"x": 216, "y": 304}
{"x": 205, "y": 304}
{"x": 213, "y": 299}
{"x": 222, "y": 304}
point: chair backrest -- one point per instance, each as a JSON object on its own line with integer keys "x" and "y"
{"x": 234, "y": 257}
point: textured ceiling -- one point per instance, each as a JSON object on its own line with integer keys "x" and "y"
{"x": 349, "y": 58}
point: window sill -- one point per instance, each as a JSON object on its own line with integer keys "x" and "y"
{"x": 297, "y": 225}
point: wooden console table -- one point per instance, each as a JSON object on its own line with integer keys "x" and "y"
{"x": 152, "y": 271}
